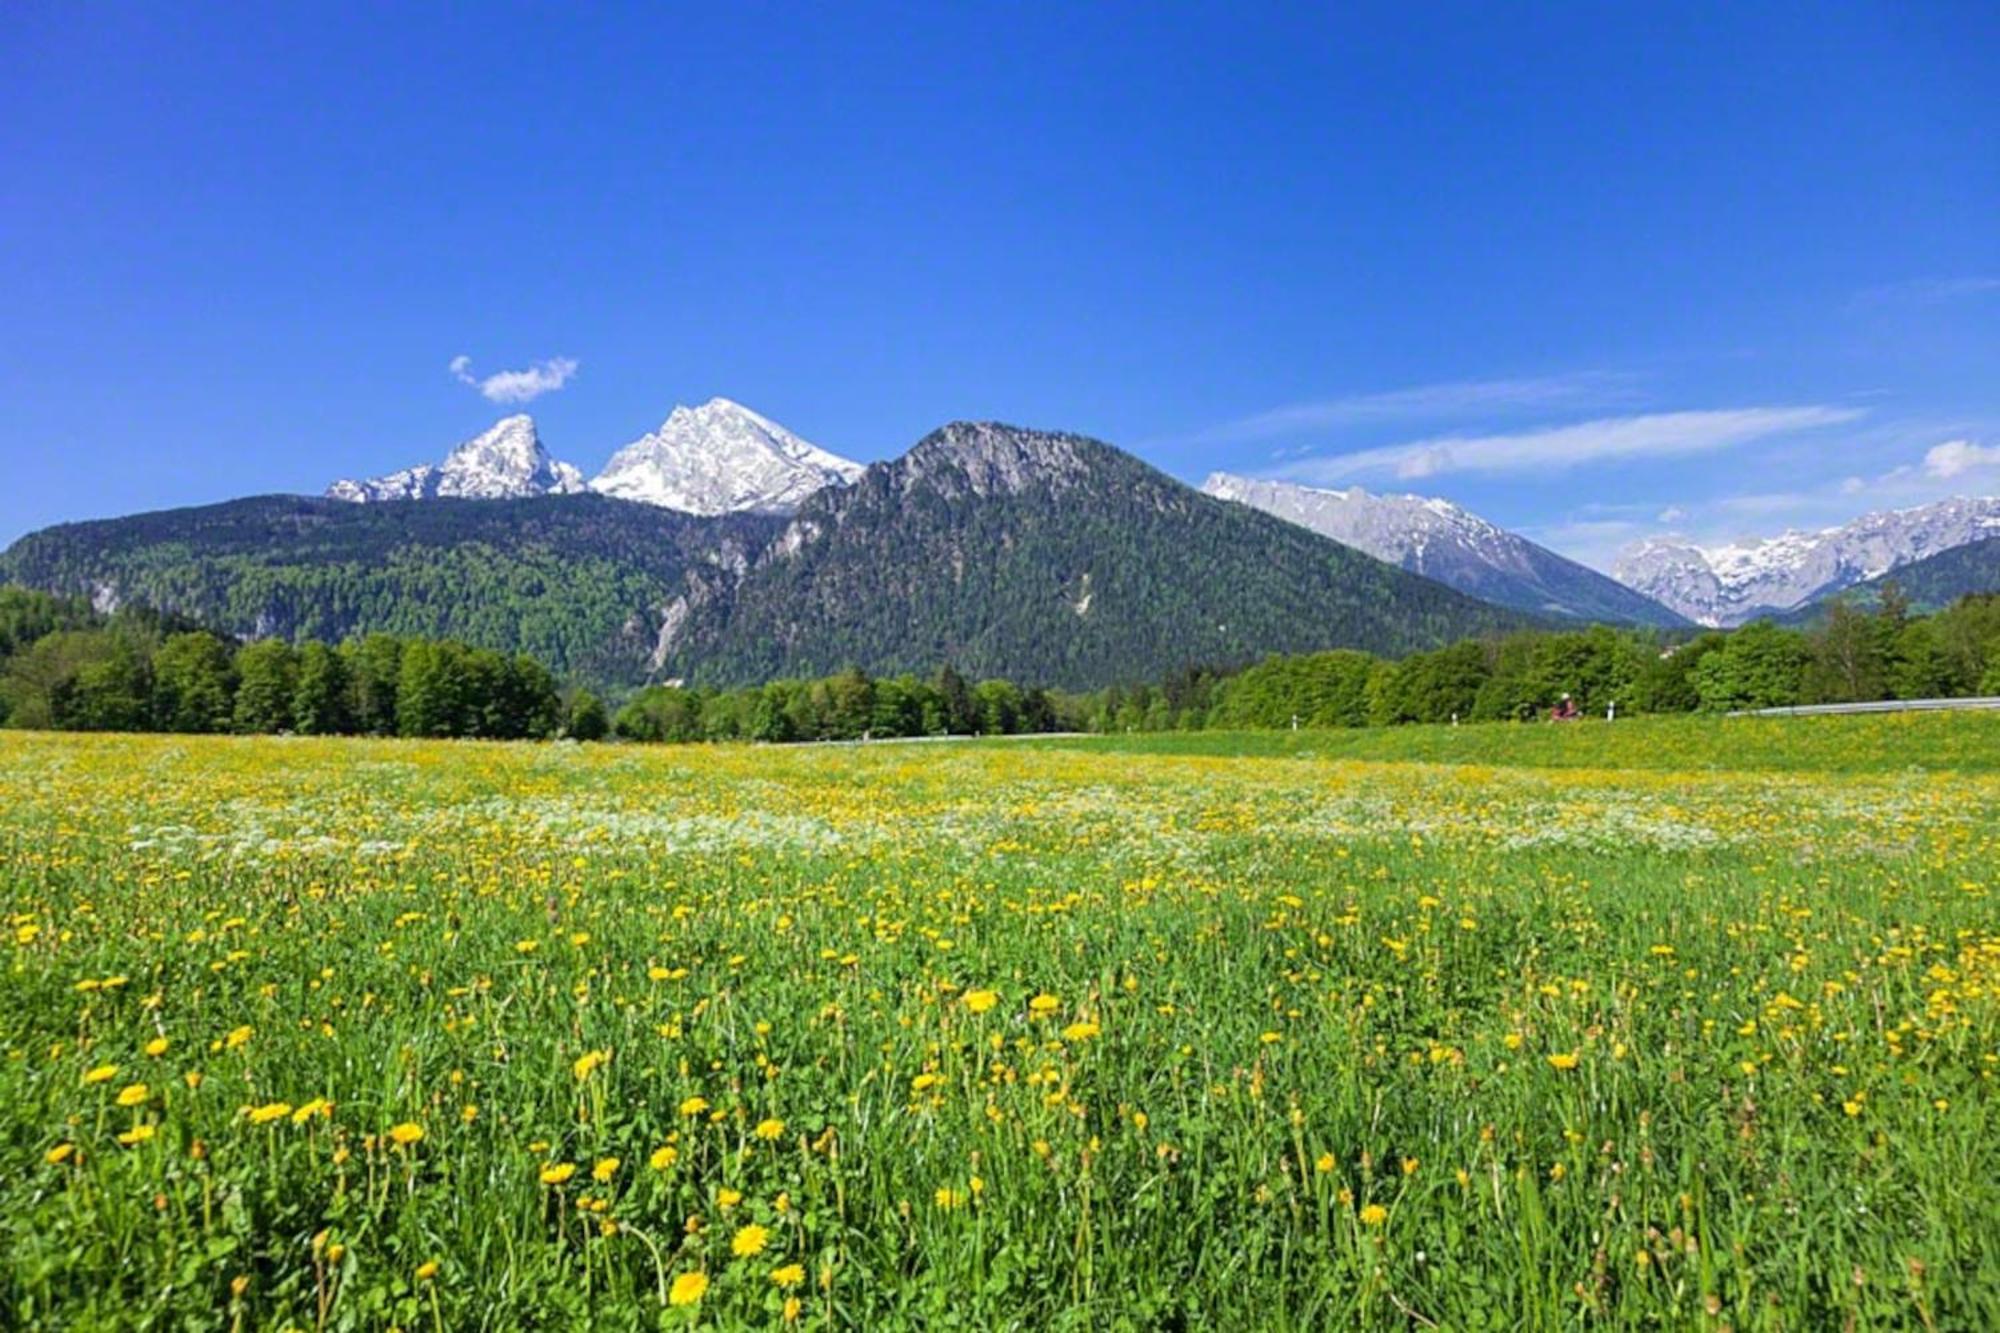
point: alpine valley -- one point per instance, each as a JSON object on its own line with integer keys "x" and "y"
{"x": 722, "y": 548}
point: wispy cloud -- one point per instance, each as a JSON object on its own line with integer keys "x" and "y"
{"x": 1955, "y": 458}
{"x": 1426, "y": 402}
{"x": 1652, "y": 435}
{"x": 1928, "y": 291}
{"x": 516, "y": 386}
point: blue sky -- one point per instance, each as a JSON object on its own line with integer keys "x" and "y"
{"x": 1592, "y": 272}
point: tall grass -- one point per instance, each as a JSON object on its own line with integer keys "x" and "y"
{"x": 467, "y": 1035}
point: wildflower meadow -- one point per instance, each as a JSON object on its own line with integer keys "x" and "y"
{"x": 1687, "y": 1023}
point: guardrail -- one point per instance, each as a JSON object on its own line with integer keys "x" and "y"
{"x": 1884, "y": 706}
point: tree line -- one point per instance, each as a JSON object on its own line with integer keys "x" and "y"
{"x": 848, "y": 705}
{"x": 1850, "y": 656}
{"x": 64, "y": 666}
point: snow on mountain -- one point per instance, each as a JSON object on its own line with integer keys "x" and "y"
{"x": 1439, "y": 540}
{"x": 1739, "y": 581}
{"x": 722, "y": 458}
{"x": 505, "y": 462}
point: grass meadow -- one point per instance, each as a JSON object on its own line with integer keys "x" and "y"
{"x": 1674, "y": 1024}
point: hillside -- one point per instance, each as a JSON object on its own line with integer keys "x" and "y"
{"x": 1459, "y": 549}
{"x": 1049, "y": 558}
{"x": 1929, "y": 584}
{"x": 576, "y": 580}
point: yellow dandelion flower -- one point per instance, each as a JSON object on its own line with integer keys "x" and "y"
{"x": 687, "y": 1289}
{"x": 605, "y": 1169}
{"x": 1563, "y": 1060}
{"x": 791, "y": 1275}
{"x": 770, "y": 1130}
{"x": 588, "y": 1063}
{"x": 101, "y": 1074}
{"x": 979, "y": 1001}
{"x": 1374, "y": 1215}
{"x": 134, "y": 1094}
{"x": 555, "y": 1173}
{"x": 407, "y": 1134}
{"x": 663, "y": 1157}
{"x": 427, "y": 1270}
{"x": 749, "y": 1241}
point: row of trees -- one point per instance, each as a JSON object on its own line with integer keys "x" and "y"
{"x": 64, "y": 667}
{"x": 849, "y": 705}
{"x": 1851, "y": 656}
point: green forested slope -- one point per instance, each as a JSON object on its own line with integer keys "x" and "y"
{"x": 1057, "y": 560}
{"x": 577, "y": 581}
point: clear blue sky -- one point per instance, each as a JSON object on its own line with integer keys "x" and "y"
{"x": 1735, "y": 264}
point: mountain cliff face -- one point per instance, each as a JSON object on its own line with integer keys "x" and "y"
{"x": 1050, "y": 558}
{"x": 722, "y": 458}
{"x": 1459, "y": 549}
{"x": 1929, "y": 584}
{"x": 1732, "y": 584}
{"x": 719, "y": 458}
{"x": 504, "y": 463}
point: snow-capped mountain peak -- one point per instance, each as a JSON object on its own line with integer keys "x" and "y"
{"x": 1738, "y": 581}
{"x": 1442, "y": 541}
{"x": 503, "y": 462}
{"x": 722, "y": 458}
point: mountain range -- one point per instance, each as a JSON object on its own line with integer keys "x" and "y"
{"x": 719, "y": 458}
{"x": 1439, "y": 540}
{"x": 723, "y": 548}
{"x": 1739, "y": 582}
{"x": 1048, "y": 558}
{"x": 1929, "y": 584}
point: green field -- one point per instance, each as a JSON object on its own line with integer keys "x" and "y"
{"x": 1675, "y": 1023}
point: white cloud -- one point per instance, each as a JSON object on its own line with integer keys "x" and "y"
{"x": 517, "y": 386}
{"x": 1672, "y": 514}
{"x": 1427, "y": 402}
{"x": 1653, "y": 435}
{"x": 1955, "y": 458}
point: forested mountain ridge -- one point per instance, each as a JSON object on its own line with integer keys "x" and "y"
{"x": 1929, "y": 584}
{"x": 1052, "y": 558}
{"x": 578, "y": 581}
{"x": 1030, "y": 555}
